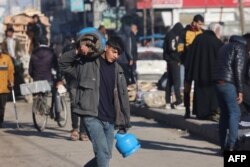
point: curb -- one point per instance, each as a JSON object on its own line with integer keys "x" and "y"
{"x": 203, "y": 128}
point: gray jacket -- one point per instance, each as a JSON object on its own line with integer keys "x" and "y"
{"x": 87, "y": 73}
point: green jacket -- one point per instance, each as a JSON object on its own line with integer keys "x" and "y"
{"x": 87, "y": 74}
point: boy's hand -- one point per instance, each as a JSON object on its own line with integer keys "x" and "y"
{"x": 240, "y": 97}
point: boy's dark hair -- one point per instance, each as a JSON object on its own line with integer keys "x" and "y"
{"x": 198, "y": 18}
{"x": 116, "y": 43}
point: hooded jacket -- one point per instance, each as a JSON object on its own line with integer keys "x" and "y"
{"x": 231, "y": 61}
{"x": 170, "y": 43}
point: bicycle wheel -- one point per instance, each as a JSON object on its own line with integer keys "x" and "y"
{"x": 63, "y": 114}
{"x": 40, "y": 112}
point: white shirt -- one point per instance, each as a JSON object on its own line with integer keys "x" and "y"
{"x": 11, "y": 47}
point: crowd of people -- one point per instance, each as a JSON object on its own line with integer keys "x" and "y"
{"x": 97, "y": 74}
{"x": 219, "y": 70}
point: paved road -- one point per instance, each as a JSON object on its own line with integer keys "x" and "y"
{"x": 161, "y": 146}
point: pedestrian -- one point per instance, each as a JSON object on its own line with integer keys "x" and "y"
{"x": 72, "y": 87}
{"x": 186, "y": 39}
{"x": 6, "y": 82}
{"x": 126, "y": 59}
{"x": 101, "y": 96}
{"x": 103, "y": 31}
{"x": 43, "y": 65}
{"x": 228, "y": 75}
{"x": 245, "y": 105}
{"x": 12, "y": 47}
{"x": 134, "y": 52}
{"x": 199, "y": 68}
{"x": 172, "y": 57}
{"x": 36, "y": 30}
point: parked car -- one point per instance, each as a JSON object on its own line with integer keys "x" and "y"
{"x": 150, "y": 64}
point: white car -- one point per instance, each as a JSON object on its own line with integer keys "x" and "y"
{"x": 150, "y": 65}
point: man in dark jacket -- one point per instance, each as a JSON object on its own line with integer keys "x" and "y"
{"x": 228, "y": 72}
{"x": 246, "y": 84}
{"x": 101, "y": 96}
{"x": 189, "y": 34}
{"x": 173, "y": 64}
{"x": 126, "y": 59}
{"x": 199, "y": 68}
{"x": 72, "y": 87}
{"x": 37, "y": 30}
{"x": 133, "y": 48}
{"x": 42, "y": 62}
{"x": 44, "y": 66}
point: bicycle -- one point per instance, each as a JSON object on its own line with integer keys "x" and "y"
{"x": 41, "y": 110}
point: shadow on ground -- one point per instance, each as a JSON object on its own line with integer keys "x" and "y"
{"x": 146, "y": 144}
{"x": 27, "y": 129}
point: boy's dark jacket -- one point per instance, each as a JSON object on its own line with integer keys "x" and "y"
{"x": 87, "y": 74}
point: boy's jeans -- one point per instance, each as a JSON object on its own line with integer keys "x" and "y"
{"x": 101, "y": 134}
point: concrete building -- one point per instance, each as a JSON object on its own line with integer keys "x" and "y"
{"x": 226, "y": 11}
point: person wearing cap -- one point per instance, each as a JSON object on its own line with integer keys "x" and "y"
{"x": 6, "y": 81}
{"x": 101, "y": 97}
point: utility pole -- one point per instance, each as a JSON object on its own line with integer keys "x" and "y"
{"x": 242, "y": 21}
{"x": 98, "y": 7}
{"x": 221, "y": 9}
{"x": 152, "y": 23}
{"x": 144, "y": 21}
{"x": 117, "y": 13}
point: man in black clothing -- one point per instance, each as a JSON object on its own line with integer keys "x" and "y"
{"x": 134, "y": 52}
{"x": 43, "y": 62}
{"x": 173, "y": 65}
{"x": 38, "y": 30}
{"x": 228, "y": 77}
{"x": 126, "y": 59}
